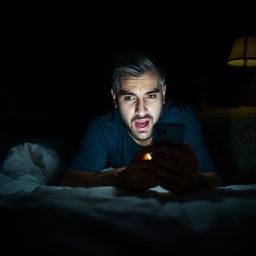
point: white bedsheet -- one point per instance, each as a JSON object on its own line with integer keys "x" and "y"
{"x": 108, "y": 220}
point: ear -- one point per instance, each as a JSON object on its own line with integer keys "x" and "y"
{"x": 114, "y": 97}
{"x": 164, "y": 92}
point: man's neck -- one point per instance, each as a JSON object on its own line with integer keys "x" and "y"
{"x": 143, "y": 143}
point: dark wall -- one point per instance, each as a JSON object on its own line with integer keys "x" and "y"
{"x": 57, "y": 59}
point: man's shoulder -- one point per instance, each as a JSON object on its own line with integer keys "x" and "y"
{"x": 108, "y": 119}
{"x": 173, "y": 106}
{"x": 175, "y": 112}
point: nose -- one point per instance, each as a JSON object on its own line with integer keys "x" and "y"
{"x": 141, "y": 108}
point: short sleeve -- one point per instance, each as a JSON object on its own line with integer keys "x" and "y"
{"x": 92, "y": 155}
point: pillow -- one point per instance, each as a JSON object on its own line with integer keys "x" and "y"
{"x": 31, "y": 159}
{"x": 231, "y": 137}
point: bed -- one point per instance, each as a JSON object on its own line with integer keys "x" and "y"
{"x": 40, "y": 217}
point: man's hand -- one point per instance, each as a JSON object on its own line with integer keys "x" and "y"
{"x": 138, "y": 176}
{"x": 174, "y": 169}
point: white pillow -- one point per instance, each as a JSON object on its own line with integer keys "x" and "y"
{"x": 36, "y": 160}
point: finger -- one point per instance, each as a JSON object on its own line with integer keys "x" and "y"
{"x": 140, "y": 154}
{"x": 184, "y": 155}
{"x": 149, "y": 181}
{"x": 177, "y": 185}
{"x": 180, "y": 153}
{"x": 170, "y": 184}
{"x": 169, "y": 151}
{"x": 165, "y": 171}
{"x": 139, "y": 170}
{"x": 161, "y": 164}
{"x": 147, "y": 156}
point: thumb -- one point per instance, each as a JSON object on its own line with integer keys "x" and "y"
{"x": 140, "y": 155}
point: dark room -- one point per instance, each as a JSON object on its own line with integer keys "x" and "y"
{"x": 67, "y": 182}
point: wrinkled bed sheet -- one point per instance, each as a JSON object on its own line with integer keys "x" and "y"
{"x": 41, "y": 217}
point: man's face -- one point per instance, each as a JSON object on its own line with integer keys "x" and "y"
{"x": 140, "y": 102}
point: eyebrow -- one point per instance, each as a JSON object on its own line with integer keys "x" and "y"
{"x": 126, "y": 92}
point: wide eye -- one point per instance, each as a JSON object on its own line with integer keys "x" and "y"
{"x": 152, "y": 96}
{"x": 129, "y": 97}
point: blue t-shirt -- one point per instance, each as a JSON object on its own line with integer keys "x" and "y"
{"x": 106, "y": 142}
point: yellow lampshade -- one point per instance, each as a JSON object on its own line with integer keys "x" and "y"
{"x": 243, "y": 53}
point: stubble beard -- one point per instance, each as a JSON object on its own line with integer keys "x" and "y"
{"x": 136, "y": 137}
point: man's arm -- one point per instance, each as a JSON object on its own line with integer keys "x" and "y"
{"x": 141, "y": 175}
{"x": 116, "y": 178}
{"x": 76, "y": 178}
{"x": 176, "y": 169}
{"x": 136, "y": 177}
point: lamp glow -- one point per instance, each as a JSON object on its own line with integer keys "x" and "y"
{"x": 243, "y": 52}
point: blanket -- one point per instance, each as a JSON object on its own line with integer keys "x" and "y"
{"x": 39, "y": 216}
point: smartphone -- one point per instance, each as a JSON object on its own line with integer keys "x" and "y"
{"x": 171, "y": 133}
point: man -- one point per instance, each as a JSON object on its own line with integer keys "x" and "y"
{"x": 122, "y": 138}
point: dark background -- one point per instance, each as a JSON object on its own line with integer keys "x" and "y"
{"x": 57, "y": 58}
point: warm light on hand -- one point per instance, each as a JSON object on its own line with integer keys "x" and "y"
{"x": 147, "y": 156}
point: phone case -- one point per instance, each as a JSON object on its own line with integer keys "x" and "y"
{"x": 169, "y": 133}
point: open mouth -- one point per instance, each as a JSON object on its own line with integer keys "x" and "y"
{"x": 141, "y": 125}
